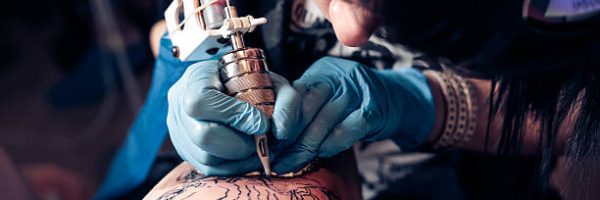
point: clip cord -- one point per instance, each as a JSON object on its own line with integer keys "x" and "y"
{"x": 228, "y": 6}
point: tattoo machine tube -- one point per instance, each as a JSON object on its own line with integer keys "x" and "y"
{"x": 245, "y": 74}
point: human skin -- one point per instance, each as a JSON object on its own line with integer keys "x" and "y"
{"x": 355, "y": 28}
{"x": 339, "y": 13}
{"x": 336, "y": 178}
{"x": 158, "y": 29}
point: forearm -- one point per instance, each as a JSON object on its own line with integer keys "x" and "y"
{"x": 483, "y": 140}
{"x": 157, "y": 31}
{"x": 336, "y": 178}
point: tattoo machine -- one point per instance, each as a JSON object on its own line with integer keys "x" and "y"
{"x": 210, "y": 25}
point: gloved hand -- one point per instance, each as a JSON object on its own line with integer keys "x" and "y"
{"x": 213, "y": 131}
{"x": 343, "y": 102}
{"x": 133, "y": 161}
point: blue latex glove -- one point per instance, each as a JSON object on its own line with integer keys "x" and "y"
{"x": 132, "y": 162}
{"x": 211, "y": 130}
{"x": 344, "y": 102}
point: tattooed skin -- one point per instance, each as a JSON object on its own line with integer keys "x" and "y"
{"x": 184, "y": 182}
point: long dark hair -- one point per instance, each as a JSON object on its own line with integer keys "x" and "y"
{"x": 549, "y": 72}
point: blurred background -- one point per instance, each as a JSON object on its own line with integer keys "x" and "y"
{"x": 64, "y": 107}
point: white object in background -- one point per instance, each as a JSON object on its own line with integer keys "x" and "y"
{"x": 572, "y": 8}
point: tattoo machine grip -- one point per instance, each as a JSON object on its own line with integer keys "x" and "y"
{"x": 245, "y": 74}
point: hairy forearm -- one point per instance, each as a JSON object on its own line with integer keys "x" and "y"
{"x": 488, "y": 141}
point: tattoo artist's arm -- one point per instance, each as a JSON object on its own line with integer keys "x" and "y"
{"x": 531, "y": 131}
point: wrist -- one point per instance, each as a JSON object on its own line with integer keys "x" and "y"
{"x": 459, "y": 122}
{"x": 440, "y": 108}
{"x": 412, "y": 103}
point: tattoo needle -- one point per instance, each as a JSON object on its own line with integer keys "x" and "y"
{"x": 262, "y": 147}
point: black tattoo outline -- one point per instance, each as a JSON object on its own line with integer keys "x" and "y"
{"x": 194, "y": 180}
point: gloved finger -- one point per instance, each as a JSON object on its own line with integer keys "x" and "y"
{"x": 231, "y": 168}
{"x": 345, "y": 134}
{"x": 203, "y": 100}
{"x": 341, "y": 103}
{"x": 314, "y": 96}
{"x": 203, "y": 75}
{"x": 294, "y": 159}
{"x": 212, "y": 105}
{"x": 278, "y": 81}
{"x": 234, "y": 167}
{"x": 222, "y": 141}
{"x": 199, "y": 137}
{"x": 191, "y": 153}
{"x": 217, "y": 139}
{"x": 306, "y": 146}
{"x": 287, "y": 112}
{"x": 184, "y": 146}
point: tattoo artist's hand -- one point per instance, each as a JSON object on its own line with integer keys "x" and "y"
{"x": 343, "y": 102}
{"x": 211, "y": 130}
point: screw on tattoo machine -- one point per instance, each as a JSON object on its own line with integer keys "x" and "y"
{"x": 206, "y": 27}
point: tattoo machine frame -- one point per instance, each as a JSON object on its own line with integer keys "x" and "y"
{"x": 209, "y": 26}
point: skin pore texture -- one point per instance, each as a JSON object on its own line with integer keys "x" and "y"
{"x": 336, "y": 178}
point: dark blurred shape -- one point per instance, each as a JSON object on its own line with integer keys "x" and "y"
{"x": 75, "y": 36}
{"x": 160, "y": 168}
{"x": 83, "y": 51}
{"x": 435, "y": 179}
{"x": 51, "y": 181}
{"x": 8, "y": 55}
{"x": 12, "y": 184}
{"x": 483, "y": 176}
{"x": 94, "y": 76}
{"x": 45, "y": 44}
{"x": 15, "y": 14}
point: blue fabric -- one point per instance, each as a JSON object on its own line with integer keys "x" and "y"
{"x": 135, "y": 157}
{"x": 95, "y": 75}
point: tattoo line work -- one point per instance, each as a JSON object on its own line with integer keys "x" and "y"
{"x": 304, "y": 188}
